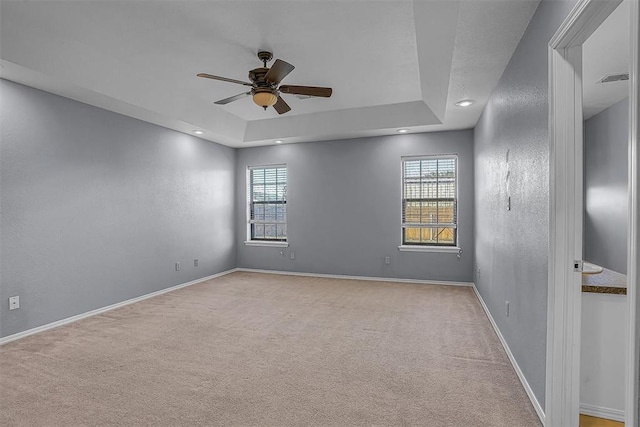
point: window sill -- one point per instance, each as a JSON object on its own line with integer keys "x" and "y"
{"x": 266, "y": 243}
{"x": 439, "y": 249}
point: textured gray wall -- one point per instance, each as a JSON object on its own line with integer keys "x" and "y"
{"x": 512, "y": 246}
{"x": 606, "y": 176}
{"x": 97, "y": 207}
{"x": 344, "y": 201}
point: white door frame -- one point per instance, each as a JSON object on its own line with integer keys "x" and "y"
{"x": 562, "y": 403}
{"x": 633, "y": 256}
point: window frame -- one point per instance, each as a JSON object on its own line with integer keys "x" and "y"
{"x": 250, "y": 239}
{"x": 430, "y": 247}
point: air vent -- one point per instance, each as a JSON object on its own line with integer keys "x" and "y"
{"x": 614, "y": 78}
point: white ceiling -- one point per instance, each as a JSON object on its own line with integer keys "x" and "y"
{"x": 606, "y": 51}
{"x": 391, "y": 64}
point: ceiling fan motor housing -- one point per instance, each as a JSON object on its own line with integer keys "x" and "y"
{"x": 257, "y": 76}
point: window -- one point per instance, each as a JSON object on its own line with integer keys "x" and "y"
{"x": 429, "y": 200}
{"x": 268, "y": 203}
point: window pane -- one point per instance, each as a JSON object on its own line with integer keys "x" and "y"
{"x": 412, "y": 189}
{"x": 412, "y": 235}
{"x": 412, "y": 212}
{"x": 270, "y": 192}
{"x": 446, "y": 236}
{"x": 258, "y": 231}
{"x": 429, "y": 199}
{"x": 412, "y": 168}
{"x": 270, "y": 212}
{"x": 257, "y": 176}
{"x": 446, "y": 188}
{"x": 281, "y": 191}
{"x": 428, "y": 235}
{"x": 258, "y": 211}
{"x": 445, "y": 212}
{"x": 267, "y": 200}
{"x": 257, "y": 193}
{"x": 429, "y": 212}
{"x": 270, "y": 176}
{"x": 270, "y": 231}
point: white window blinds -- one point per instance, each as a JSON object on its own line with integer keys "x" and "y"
{"x": 429, "y": 200}
{"x": 268, "y": 203}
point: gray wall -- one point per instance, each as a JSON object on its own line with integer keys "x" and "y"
{"x": 511, "y": 247}
{"x": 344, "y": 202}
{"x": 97, "y": 207}
{"x": 606, "y": 176}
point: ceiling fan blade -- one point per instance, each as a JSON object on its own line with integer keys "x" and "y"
{"x": 324, "y": 92}
{"x": 224, "y": 79}
{"x": 278, "y": 71}
{"x": 281, "y": 106}
{"x": 232, "y": 98}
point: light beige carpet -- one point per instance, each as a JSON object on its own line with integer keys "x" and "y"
{"x": 270, "y": 350}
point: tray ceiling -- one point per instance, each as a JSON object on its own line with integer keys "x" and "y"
{"x": 391, "y": 64}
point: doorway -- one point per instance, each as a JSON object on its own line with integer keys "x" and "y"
{"x": 604, "y": 306}
{"x": 562, "y": 403}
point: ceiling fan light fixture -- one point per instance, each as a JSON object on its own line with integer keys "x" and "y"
{"x": 264, "y": 99}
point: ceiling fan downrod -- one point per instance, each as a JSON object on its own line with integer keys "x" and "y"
{"x": 265, "y": 57}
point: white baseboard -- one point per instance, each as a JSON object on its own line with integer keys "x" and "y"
{"x": 512, "y": 359}
{"x": 601, "y": 412}
{"x": 75, "y": 318}
{"x": 340, "y": 276}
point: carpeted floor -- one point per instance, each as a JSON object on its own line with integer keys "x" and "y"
{"x": 270, "y": 350}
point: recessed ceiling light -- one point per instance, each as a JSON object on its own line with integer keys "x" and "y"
{"x": 402, "y": 130}
{"x": 465, "y": 103}
{"x": 198, "y": 132}
{"x": 278, "y": 141}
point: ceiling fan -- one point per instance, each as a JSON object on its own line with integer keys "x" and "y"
{"x": 264, "y": 85}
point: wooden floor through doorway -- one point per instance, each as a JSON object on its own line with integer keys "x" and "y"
{"x": 587, "y": 421}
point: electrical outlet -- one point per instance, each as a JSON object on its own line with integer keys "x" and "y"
{"x": 14, "y": 302}
{"x": 506, "y": 308}
{"x": 478, "y": 273}
{"x": 195, "y": 262}
{"x": 387, "y": 260}
{"x": 292, "y": 255}
{"x": 177, "y": 266}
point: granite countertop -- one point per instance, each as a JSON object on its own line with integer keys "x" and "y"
{"x": 607, "y": 282}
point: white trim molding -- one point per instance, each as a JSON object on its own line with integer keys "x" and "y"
{"x": 266, "y": 243}
{"x": 633, "y": 253}
{"x": 101, "y": 310}
{"x": 565, "y": 240}
{"x": 602, "y": 412}
{"x": 347, "y": 277}
{"x": 512, "y": 359}
{"x": 562, "y": 403}
{"x": 434, "y": 249}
